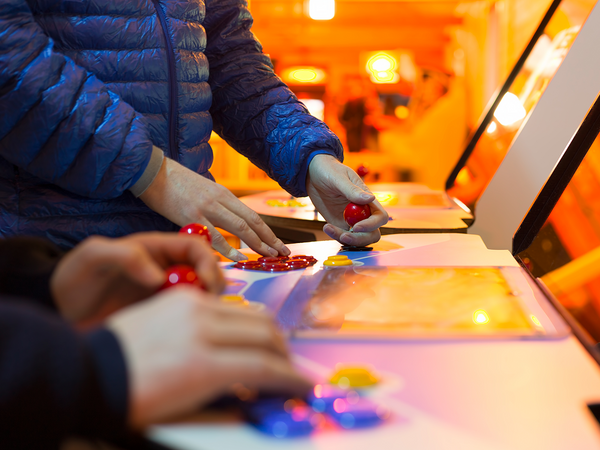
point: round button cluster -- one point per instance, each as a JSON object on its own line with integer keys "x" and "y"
{"x": 277, "y": 263}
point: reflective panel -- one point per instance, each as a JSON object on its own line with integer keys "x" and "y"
{"x": 419, "y": 302}
{"x": 508, "y": 112}
{"x": 566, "y": 252}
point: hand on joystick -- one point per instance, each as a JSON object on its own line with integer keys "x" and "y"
{"x": 356, "y": 213}
{"x": 181, "y": 274}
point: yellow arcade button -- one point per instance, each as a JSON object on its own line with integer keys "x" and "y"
{"x": 234, "y": 300}
{"x": 346, "y": 262}
{"x": 337, "y": 258}
{"x": 295, "y": 204}
{"x": 354, "y": 377}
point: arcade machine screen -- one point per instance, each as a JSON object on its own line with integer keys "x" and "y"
{"x": 498, "y": 128}
{"x": 566, "y": 252}
{"x": 415, "y": 302}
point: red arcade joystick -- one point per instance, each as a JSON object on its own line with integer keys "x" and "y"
{"x": 355, "y": 213}
{"x": 197, "y": 229}
{"x": 362, "y": 171}
{"x": 181, "y": 274}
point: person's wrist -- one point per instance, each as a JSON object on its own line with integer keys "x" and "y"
{"x": 158, "y": 183}
{"x": 317, "y": 160}
{"x": 323, "y": 156}
{"x": 156, "y": 160}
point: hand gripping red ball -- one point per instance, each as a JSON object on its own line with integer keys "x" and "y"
{"x": 355, "y": 213}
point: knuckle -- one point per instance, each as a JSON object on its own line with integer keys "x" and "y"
{"x": 254, "y": 218}
{"x": 136, "y": 251}
{"x": 242, "y": 225}
{"x": 223, "y": 190}
{"x": 218, "y": 238}
{"x": 207, "y": 203}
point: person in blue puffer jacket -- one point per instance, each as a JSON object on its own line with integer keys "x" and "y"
{"x": 106, "y": 108}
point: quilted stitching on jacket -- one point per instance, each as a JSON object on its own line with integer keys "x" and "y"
{"x": 84, "y": 91}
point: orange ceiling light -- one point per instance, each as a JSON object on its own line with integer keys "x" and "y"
{"x": 382, "y": 67}
{"x": 303, "y": 75}
{"x": 321, "y": 9}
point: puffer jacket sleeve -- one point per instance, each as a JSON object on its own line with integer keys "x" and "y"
{"x": 59, "y": 122}
{"x": 253, "y": 110}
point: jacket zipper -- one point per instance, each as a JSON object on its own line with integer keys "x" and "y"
{"x": 172, "y": 82}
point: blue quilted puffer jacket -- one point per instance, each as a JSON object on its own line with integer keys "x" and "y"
{"x": 88, "y": 86}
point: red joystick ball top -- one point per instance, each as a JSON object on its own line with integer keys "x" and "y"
{"x": 355, "y": 213}
{"x": 181, "y": 274}
{"x": 197, "y": 229}
{"x": 362, "y": 171}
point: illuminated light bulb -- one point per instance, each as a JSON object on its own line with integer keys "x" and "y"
{"x": 321, "y": 9}
{"x": 510, "y": 110}
{"x": 385, "y": 77}
{"x": 535, "y": 320}
{"x": 381, "y": 62}
{"x": 480, "y": 317}
{"x": 401, "y": 112}
{"x": 382, "y": 67}
{"x": 492, "y": 127}
{"x": 304, "y": 75}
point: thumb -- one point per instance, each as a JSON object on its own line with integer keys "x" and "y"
{"x": 354, "y": 190}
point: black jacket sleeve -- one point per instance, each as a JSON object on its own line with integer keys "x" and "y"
{"x": 56, "y": 382}
{"x": 26, "y": 264}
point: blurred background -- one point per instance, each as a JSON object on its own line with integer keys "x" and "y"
{"x": 401, "y": 82}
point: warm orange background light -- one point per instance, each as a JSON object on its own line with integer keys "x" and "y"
{"x": 382, "y": 68}
{"x": 303, "y": 75}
